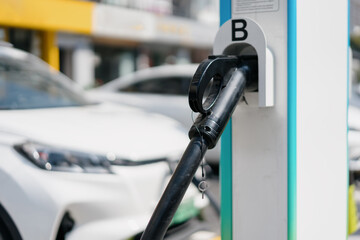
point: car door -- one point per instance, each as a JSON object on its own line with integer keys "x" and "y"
{"x": 166, "y": 95}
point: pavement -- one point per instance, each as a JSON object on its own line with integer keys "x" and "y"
{"x": 355, "y": 236}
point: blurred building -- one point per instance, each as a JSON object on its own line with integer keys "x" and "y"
{"x": 354, "y": 30}
{"x": 96, "y": 41}
{"x": 354, "y": 16}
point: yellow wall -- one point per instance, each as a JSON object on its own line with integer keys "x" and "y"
{"x": 50, "y": 50}
{"x": 48, "y": 16}
{"x": 53, "y": 15}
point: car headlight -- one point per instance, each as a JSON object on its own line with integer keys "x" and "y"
{"x": 57, "y": 159}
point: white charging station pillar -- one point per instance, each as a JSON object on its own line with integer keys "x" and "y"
{"x": 284, "y": 170}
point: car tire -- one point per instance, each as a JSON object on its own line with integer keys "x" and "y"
{"x": 4, "y": 233}
{"x": 8, "y": 230}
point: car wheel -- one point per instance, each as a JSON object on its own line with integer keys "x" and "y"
{"x": 8, "y": 230}
{"x": 4, "y": 232}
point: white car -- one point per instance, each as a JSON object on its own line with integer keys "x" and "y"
{"x": 74, "y": 169}
{"x": 354, "y": 138}
{"x": 354, "y": 129}
{"x": 162, "y": 89}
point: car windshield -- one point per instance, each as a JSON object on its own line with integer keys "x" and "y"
{"x": 28, "y": 85}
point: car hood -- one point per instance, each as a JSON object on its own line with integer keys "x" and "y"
{"x": 101, "y": 129}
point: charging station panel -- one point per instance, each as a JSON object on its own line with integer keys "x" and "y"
{"x": 285, "y": 153}
{"x": 243, "y": 36}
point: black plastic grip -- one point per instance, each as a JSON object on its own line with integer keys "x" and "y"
{"x": 214, "y": 69}
{"x": 211, "y": 125}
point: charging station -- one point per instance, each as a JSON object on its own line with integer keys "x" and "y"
{"x": 281, "y": 69}
{"x": 284, "y": 167}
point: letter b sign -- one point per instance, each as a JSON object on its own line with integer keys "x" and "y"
{"x": 239, "y": 32}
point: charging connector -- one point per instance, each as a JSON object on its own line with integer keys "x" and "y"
{"x": 230, "y": 76}
{"x": 216, "y": 88}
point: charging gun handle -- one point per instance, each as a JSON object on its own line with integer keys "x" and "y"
{"x": 200, "y": 141}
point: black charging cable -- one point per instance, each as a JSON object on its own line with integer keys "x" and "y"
{"x": 214, "y": 92}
